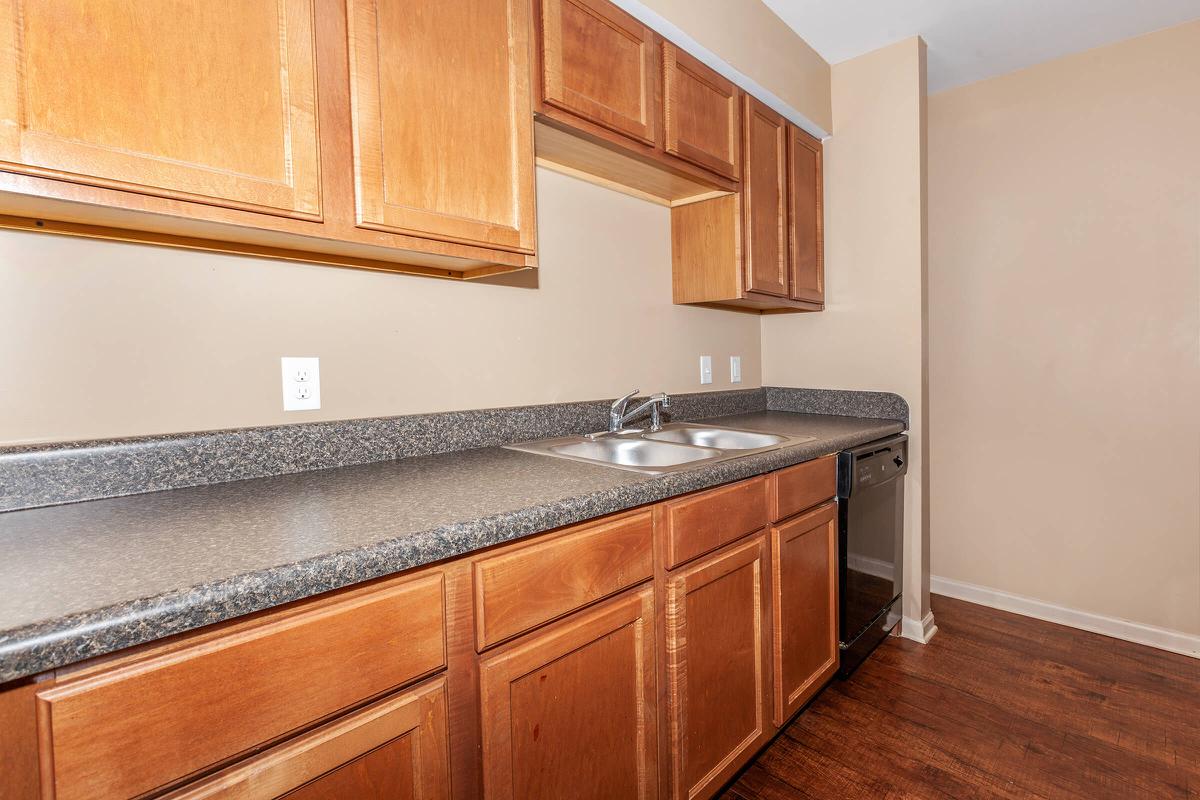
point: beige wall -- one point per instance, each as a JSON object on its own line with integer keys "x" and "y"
{"x": 1064, "y": 331}
{"x": 870, "y": 335}
{"x": 748, "y": 36}
{"x": 105, "y": 339}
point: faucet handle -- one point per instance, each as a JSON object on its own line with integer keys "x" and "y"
{"x": 621, "y": 402}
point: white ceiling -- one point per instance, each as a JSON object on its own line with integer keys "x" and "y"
{"x": 969, "y": 40}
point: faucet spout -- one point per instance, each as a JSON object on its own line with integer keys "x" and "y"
{"x": 654, "y": 404}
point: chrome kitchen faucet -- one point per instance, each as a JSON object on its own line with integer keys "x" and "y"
{"x": 617, "y": 416}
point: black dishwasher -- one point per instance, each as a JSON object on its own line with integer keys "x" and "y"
{"x": 870, "y": 489}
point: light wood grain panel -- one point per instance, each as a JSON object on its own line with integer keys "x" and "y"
{"x": 214, "y": 102}
{"x": 644, "y": 175}
{"x": 194, "y": 705}
{"x": 703, "y": 522}
{"x": 533, "y": 583}
{"x": 571, "y": 711}
{"x": 19, "y": 771}
{"x": 717, "y": 667}
{"x": 442, "y": 118}
{"x": 701, "y": 121}
{"x": 806, "y": 216}
{"x": 396, "y": 748}
{"x": 764, "y": 198}
{"x": 600, "y": 64}
{"x": 706, "y": 251}
{"x": 804, "y": 571}
{"x": 803, "y": 486}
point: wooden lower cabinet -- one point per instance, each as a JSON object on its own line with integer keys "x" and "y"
{"x": 804, "y": 607}
{"x": 646, "y": 654}
{"x": 717, "y": 649}
{"x": 571, "y": 710}
{"x": 396, "y": 748}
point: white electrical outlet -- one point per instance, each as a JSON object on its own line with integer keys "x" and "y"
{"x": 735, "y": 369}
{"x": 301, "y": 383}
{"x": 705, "y": 369}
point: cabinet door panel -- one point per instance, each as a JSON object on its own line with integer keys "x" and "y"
{"x": 806, "y": 217}
{"x": 599, "y": 63}
{"x": 571, "y": 710}
{"x": 395, "y": 749}
{"x": 700, "y": 114}
{"x": 442, "y": 116}
{"x": 212, "y": 102}
{"x": 804, "y": 611}
{"x": 716, "y": 667}
{"x": 764, "y": 199}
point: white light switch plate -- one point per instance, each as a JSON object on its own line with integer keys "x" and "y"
{"x": 705, "y": 369}
{"x": 735, "y": 369}
{"x": 301, "y": 383}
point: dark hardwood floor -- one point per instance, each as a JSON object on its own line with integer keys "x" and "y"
{"x": 996, "y": 705}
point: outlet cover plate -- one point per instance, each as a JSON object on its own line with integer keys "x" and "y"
{"x": 301, "y": 383}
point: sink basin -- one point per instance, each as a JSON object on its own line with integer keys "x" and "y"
{"x": 677, "y": 446}
{"x": 634, "y": 452}
{"x": 720, "y": 438}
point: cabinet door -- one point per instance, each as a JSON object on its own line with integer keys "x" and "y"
{"x": 764, "y": 199}
{"x": 804, "y": 608}
{"x": 396, "y": 748}
{"x": 716, "y": 667}
{"x": 700, "y": 114}
{"x": 600, "y": 64}
{"x": 212, "y": 102}
{"x": 806, "y": 217}
{"x": 443, "y": 120}
{"x": 571, "y": 711}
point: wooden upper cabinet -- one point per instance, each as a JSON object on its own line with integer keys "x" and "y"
{"x": 600, "y": 64}
{"x": 442, "y": 117}
{"x": 700, "y": 114}
{"x": 571, "y": 710}
{"x": 717, "y": 691}
{"x": 213, "y": 102}
{"x": 764, "y": 199}
{"x": 806, "y": 217}
{"x": 804, "y": 610}
{"x": 396, "y": 748}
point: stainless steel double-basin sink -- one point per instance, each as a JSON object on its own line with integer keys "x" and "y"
{"x": 676, "y": 446}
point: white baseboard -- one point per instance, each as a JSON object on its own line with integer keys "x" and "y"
{"x": 1162, "y": 638}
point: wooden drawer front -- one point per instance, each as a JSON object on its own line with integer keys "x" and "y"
{"x": 700, "y": 114}
{"x": 532, "y": 584}
{"x": 571, "y": 711}
{"x": 803, "y": 486}
{"x": 701, "y": 523}
{"x": 149, "y": 721}
{"x": 600, "y": 64}
{"x": 395, "y": 748}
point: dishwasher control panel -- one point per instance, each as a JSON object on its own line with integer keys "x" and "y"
{"x": 872, "y": 464}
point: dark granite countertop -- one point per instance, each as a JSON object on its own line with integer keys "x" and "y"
{"x": 93, "y": 577}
